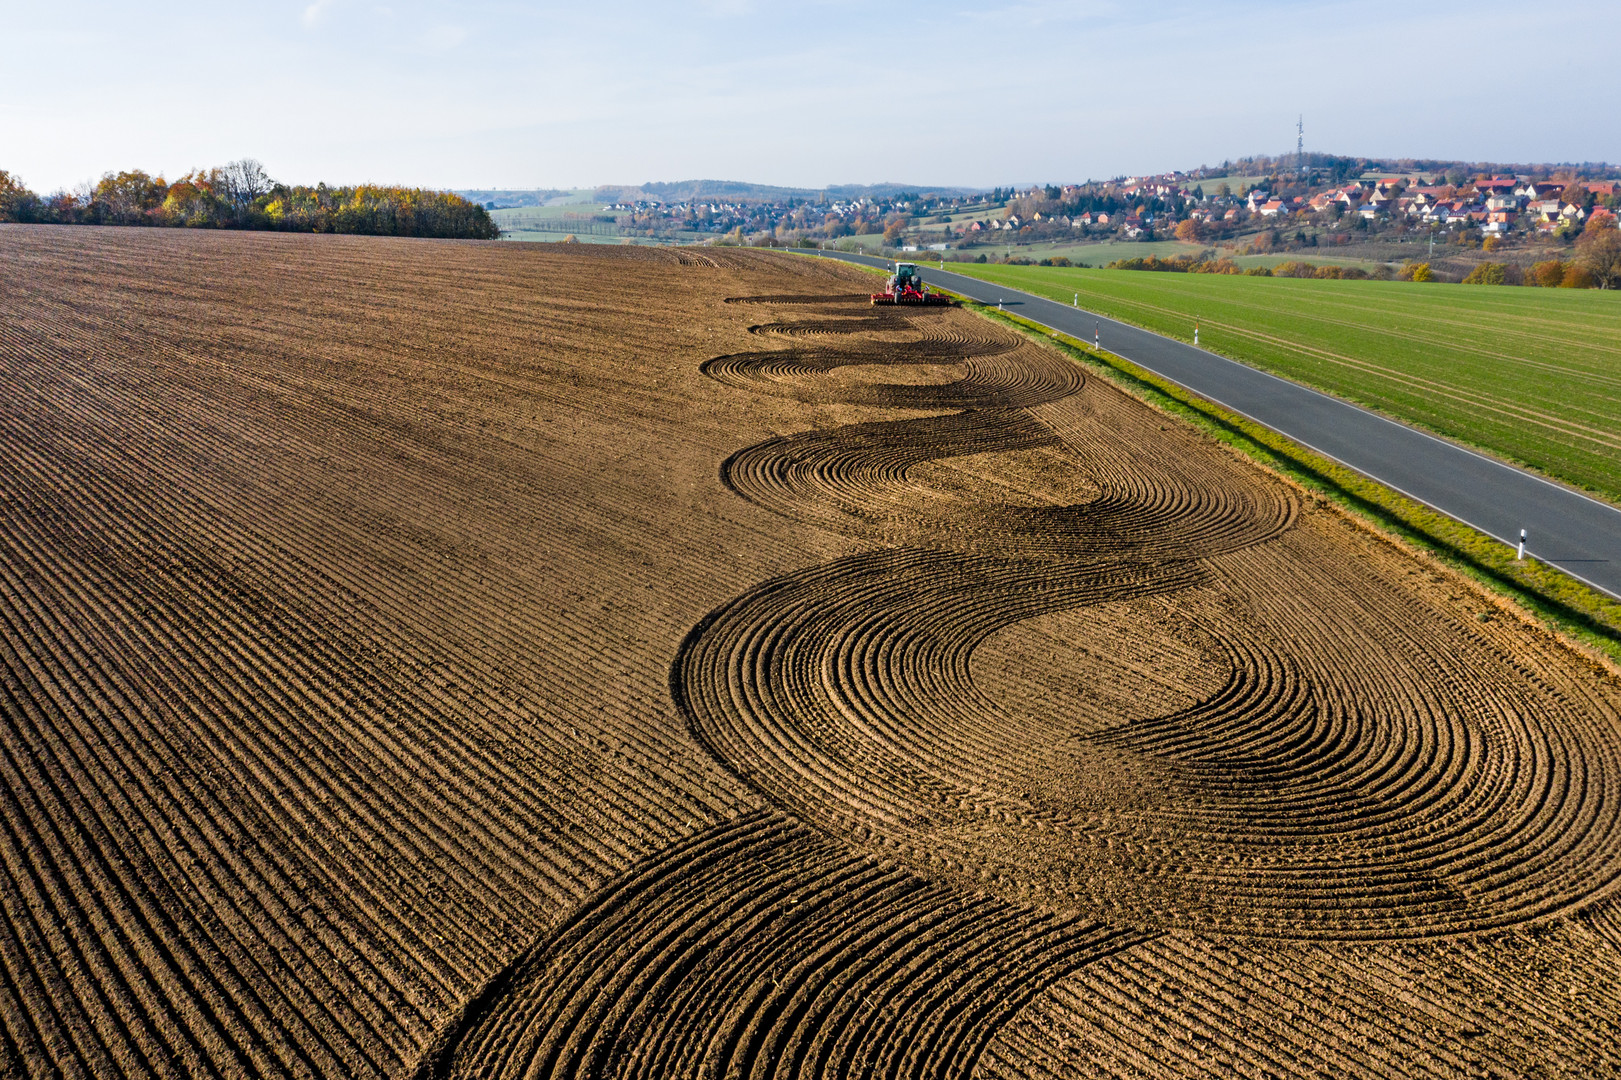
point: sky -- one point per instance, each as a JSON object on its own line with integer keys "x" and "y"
{"x": 803, "y": 94}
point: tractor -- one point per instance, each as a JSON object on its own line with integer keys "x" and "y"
{"x": 905, "y": 286}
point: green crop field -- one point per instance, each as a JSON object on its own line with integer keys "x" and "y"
{"x": 1532, "y": 375}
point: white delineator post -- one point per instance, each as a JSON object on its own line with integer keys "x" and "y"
{"x": 1196, "y": 333}
{"x": 1077, "y": 299}
{"x": 1521, "y": 553}
{"x": 1097, "y": 336}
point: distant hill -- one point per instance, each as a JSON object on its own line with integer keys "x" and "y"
{"x": 505, "y": 197}
{"x": 740, "y": 191}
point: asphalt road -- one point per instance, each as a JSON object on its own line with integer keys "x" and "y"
{"x": 1565, "y": 528}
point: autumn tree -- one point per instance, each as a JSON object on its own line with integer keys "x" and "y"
{"x": 1192, "y": 231}
{"x": 1576, "y": 195}
{"x": 1548, "y": 273}
{"x": 15, "y": 199}
{"x": 127, "y": 198}
{"x": 194, "y": 200}
{"x": 1487, "y": 274}
{"x": 1598, "y": 251}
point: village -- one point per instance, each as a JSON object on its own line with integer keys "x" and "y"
{"x": 1498, "y": 206}
{"x": 1283, "y": 210}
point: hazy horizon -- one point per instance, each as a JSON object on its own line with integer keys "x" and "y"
{"x": 521, "y": 96}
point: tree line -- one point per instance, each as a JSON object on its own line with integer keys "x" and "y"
{"x": 241, "y": 195}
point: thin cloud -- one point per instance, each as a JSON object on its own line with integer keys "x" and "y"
{"x": 316, "y": 13}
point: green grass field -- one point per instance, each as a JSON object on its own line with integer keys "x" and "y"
{"x": 516, "y": 217}
{"x": 1090, "y": 252}
{"x": 1235, "y": 183}
{"x": 1099, "y": 253}
{"x": 1532, "y": 375}
{"x": 1317, "y": 257}
{"x": 550, "y": 224}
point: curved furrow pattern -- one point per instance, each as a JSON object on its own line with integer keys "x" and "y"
{"x": 1306, "y": 795}
{"x": 760, "y": 948}
{"x": 880, "y": 320}
{"x": 862, "y": 480}
{"x": 926, "y": 338}
{"x": 765, "y": 948}
{"x": 988, "y": 377}
{"x": 843, "y": 301}
{"x": 844, "y": 694}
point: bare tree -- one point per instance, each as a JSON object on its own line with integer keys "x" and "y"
{"x": 245, "y": 180}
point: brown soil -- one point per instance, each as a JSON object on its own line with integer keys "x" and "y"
{"x": 501, "y": 660}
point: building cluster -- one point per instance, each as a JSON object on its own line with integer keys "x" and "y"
{"x": 1137, "y": 205}
{"x": 1145, "y": 207}
{"x": 1497, "y": 206}
{"x": 830, "y": 217}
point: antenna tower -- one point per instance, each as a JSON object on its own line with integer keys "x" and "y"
{"x": 1300, "y": 142}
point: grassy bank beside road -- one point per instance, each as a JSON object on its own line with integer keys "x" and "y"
{"x": 1531, "y": 375}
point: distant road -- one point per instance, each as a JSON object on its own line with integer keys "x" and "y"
{"x": 1567, "y": 529}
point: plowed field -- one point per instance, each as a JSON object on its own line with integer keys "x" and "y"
{"x": 508, "y": 660}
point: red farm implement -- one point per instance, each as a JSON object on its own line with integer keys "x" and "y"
{"x": 906, "y": 287}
